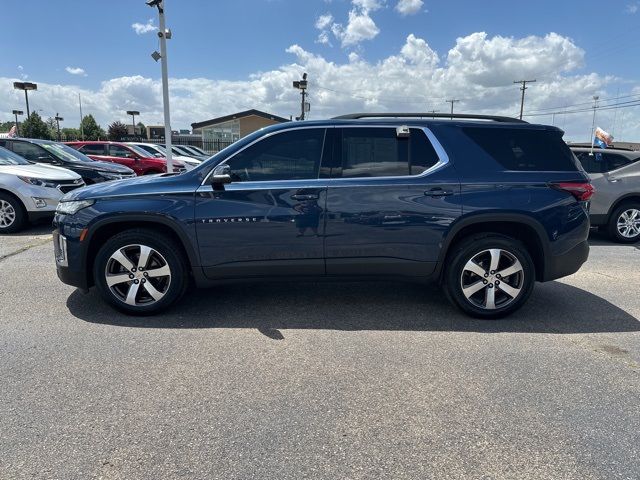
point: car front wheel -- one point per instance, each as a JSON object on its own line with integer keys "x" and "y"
{"x": 489, "y": 276}
{"x": 140, "y": 272}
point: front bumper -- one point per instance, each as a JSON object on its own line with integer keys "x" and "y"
{"x": 68, "y": 269}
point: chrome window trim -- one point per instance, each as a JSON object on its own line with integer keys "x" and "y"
{"x": 443, "y": 158}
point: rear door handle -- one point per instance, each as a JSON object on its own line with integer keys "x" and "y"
{"x": 298, "y": 196}
{"x": 438, "y": 192}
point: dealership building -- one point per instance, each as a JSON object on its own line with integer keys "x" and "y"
{"x": 231, "y": 128}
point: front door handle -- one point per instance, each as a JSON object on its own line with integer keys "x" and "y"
{"x": 298, "y": 196}
{"x": 438, "y": 192}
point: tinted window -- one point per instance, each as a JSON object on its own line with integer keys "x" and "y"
{"x": 118, "y": 151}
{"x": 293, "y": 155}
{"x": 601, "y": 162}
{"x": 92, "y": 149}
{"x": 31, "y": 152}
{"x": 378, "y": 152}
{"x": 524, "y": 149}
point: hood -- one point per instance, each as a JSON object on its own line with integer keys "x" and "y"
{"x": 101, "y": 167}
{"x": 145, "y": 185}
{"x": 48, "y": 172}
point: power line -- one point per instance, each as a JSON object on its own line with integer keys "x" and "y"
{"x": 632, "y": 103}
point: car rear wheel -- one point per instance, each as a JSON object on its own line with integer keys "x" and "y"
{"x": 140, "y": 272}
{"x": 624, "y": 224}
{"x": 12, "y": 214}
{"x": 489, "y": 276}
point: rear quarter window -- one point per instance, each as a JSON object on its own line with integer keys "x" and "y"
{"x": 524, "y": 149}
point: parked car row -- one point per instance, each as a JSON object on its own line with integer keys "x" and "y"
{"x": 35, "y": 173}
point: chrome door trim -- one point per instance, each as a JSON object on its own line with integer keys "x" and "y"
{"x": 443, "y": 158}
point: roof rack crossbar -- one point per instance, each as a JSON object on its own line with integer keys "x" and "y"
{"x": 469, "y": 116}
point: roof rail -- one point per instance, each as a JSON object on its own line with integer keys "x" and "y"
{"x": 469, "y": 116}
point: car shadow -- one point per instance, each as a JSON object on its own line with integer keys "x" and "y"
{"x": 275, "y": 307}
{"x": 600, "y": 239}
{"x": 40, "y": 228}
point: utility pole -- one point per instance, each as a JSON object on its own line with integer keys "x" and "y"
{"x": 593, "y": 122}
{"x": 164, "y": 35}
{"x": 523, "y": 88}
{"x": 452, "y": 101}
{"x": 58, "y": 120}
{"x": 302, "y": 86}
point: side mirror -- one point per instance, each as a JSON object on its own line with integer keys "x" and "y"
{"x": 221, "y": 175}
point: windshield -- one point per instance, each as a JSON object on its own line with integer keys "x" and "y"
{"x": 65, "y": 152}
{"x": 140, "y": 151}
{"x": 9, "y": 158}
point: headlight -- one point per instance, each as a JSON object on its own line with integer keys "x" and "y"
{"x": 112, "y": 176}
{"x": 70, "y": 208}
{"x": 39, "y": 182}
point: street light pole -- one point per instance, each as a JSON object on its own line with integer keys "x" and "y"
{"x": 58, "y": 120}
{"x": 26, "y": 86}
{"x": 133, "y": 114}
{"x": 164, "y": 34}
{"x": 16, "y": 113}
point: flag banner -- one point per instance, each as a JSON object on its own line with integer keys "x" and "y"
{"x": 602, "y": 139}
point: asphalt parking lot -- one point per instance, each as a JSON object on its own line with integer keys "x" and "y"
{"x": 345, "y": 381}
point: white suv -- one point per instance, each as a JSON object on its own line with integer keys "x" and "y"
{"x": 30, "y": 192}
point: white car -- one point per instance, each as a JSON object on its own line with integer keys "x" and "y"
{"x": 29, "y": 192}
{"x": 158, "y": 151}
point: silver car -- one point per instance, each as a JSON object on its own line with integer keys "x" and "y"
{"x": 615, "y": 207}
{"x": 30, "y": 192}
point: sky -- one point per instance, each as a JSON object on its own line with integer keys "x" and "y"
{"x": 360, "y": 55}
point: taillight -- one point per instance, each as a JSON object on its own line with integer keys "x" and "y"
{"x": 582, "y": 191}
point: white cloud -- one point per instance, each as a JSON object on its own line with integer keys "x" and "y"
{"x": 369, "y": 5}
{"x": 76, "y": 71}
{"x": 409, "y": 7}
{"x": 142, "y": 28}
{"x": 632, "y": 7}
{"x": 323, "y": 38}
{"x": 478, "y": 69}
{"x": 360, "y": 27}
{"x": 324, "y": 21}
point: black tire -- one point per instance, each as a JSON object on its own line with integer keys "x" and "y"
{"x": 167, "y": 252}
{"x": 612, "y": 226}
{"x": 13, "y": 216}
{"x": 478, "y": 248}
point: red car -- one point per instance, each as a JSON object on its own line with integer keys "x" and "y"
{"x": 128, "y": 155}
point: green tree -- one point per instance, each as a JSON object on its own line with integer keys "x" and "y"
{"x": 91, "y": 129}
{"x": 6, "y": 126}
{"x": 69, "y": 134}
{"x": 142, "y": 129}
{"x": 117, "y": 130}
{"x": 53, "y": 127}
{"x": 34, "y": 127}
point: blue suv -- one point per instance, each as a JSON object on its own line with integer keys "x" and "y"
{"x": 485, "y": 205}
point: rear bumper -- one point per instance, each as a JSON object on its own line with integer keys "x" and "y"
{"x": 568, "y": 263}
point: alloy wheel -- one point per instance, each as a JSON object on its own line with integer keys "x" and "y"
{"x": 492, "y": 279}
{"x": 628, "y": 223}
{"x": 7, "y": 214}
{"x": 138, "y": 275}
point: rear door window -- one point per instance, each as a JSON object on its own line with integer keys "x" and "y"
{"x": 522, "y": 149}
{"x": 92, "y": 149}
{"x": 379, "y": 152}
